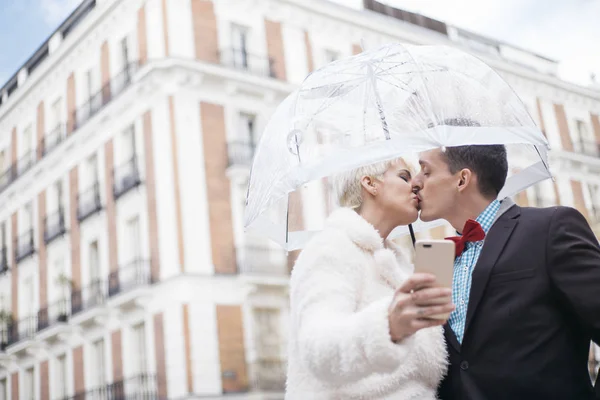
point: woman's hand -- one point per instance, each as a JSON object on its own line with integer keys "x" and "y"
{"x": 415, "y": 301}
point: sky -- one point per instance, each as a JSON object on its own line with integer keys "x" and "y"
{"x": 24, "y": 26}
{"x": 565, "y": 30}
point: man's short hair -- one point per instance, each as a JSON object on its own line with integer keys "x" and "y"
{"x": 488, "y": 162}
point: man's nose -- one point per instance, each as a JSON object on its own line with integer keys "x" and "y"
{"x": 417, "y": 184}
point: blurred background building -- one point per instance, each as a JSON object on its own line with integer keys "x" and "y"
{"x": 125, "y": 147}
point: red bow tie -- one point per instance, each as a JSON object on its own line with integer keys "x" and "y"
{"x": 472, "y": 232}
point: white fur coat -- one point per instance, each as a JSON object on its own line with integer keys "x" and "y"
{"x": 340, "y": 346}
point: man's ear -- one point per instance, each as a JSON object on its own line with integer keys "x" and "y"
{"x": 465, "y": 178}
{"x": 368, "y": 183}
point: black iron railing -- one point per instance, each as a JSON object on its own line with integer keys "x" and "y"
{"x": 104, "y": 96}
{"x": 7, "y": 177}
{"x": 54, "y": 225}
{"x": 126, "y": 177}
{"x": 89, "y": 296}
{"x": 52, "y": 139}
{"x": 268, "y": 375}
{"x": 57, "y": 312}
{"x": 261, "y": 260}
{"x": 240, "y": 59}
{"x": 240, "y": 153}
{"x": 587, "y": 147}
{"x": 22, "y": 329}
{"x": 133, "y": 275}
{"x": 26, "y": 161}
{"x": 89, "y": 202}
{"x": 24, "y": 246}
{"x": 142, "y": 387}
{"x": 80, "y": 116}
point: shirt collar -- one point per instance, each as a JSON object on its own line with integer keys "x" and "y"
{"x": 486, "y": 218}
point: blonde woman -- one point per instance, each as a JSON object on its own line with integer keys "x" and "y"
{"x": 359, "y": 314}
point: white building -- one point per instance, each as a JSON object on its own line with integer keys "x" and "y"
{"x": 125, "y": 144}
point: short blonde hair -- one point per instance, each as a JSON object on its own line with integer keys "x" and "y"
{"x": 347, "y": 185}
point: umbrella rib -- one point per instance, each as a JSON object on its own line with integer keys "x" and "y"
{"x": 324, "y": 104}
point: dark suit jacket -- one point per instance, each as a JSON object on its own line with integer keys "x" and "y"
{"x": 533, "y": 308}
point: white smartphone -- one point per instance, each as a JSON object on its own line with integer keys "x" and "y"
{"x": 436, "y": 257}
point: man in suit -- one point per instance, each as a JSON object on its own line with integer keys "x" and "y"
{"x": 526, "y": 284}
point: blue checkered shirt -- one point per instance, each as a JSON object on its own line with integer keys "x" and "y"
{"x": 463, "y": 271}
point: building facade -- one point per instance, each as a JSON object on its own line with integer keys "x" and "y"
{"x": 125, "y": 147}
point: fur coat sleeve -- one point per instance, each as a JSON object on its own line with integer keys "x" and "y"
{"x": 335, "y": 342}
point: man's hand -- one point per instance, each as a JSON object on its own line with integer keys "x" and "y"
{"x": 415, "y": 301}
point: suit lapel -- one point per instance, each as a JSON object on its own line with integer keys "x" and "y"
{"x": 451, "y": 337}
{"x": 492, "y": 248}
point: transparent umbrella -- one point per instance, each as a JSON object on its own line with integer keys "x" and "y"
{"x": 392, "y": 101}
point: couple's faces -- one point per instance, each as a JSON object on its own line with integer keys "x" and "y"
{"x": 395, "y": 194}
{"x": 435, "y": 185}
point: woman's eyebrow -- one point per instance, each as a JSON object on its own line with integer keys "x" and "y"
{"x": 406, "y": 171}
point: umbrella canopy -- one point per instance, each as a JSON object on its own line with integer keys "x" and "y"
{"x": 382, "y": 104}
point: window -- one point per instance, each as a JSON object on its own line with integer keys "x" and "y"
{"x": 89, "y": 84}
{"x": 94, "y": 261}
{"x": 99, "y": 371}
{"x": 128, "y": 144}
{"x": 29, "y": 385}
{"x": 27, "y": 157}
{"x": 56, "y": 113}
{"x": 26, "y": 223}
{"x": 3, "y": 392}
{"x": 60, "y": 376}
{"x": 2, "y": 161}
{"x": 239, "y": 41}
{"x": 331, "y": 56}
{"x": 247, "y": 128}
{"x": 28, "y": 297}
{"x": 92, "y": 169}
{"x": 544, "y": 194}
{"x": 58, "y": 190}
{"x": 124, "y": 52}
{"x": 267, "y": 333}
{"x": 591, "y": 194}
{"x": 134, "y": 244}
{"x": 139, "y": 354}
{"x": 27, "y": 140}
{"x": 587, "y": 140}
{"x": 3, "y": 234}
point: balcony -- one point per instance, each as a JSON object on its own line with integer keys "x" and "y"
{"x": 26, "y": 161}
{"x": 104, "y": 96}
{"x": 7, "y": 177}
{"x": 240, "y": 153}
{"x": 589, "y": 148}
{"x": 128, "y": 279}
{"x": 268, "y": 375}
{"x": 586, "y": 147}
{"x": 52, "y": 139}
{"x": 24, "y": 246}
{"x": 54, "y": 225}
{"x": 87, "y": 297}
{"x": 22, "y": 330}
{"x": 54, "y": 314}
{"x": 243, "y": 61}
{"x": 262, "y": 261}
{"x": 126, "y": 177}
{"x": 89, "y": 202}
{"x": 144, "y": 386}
